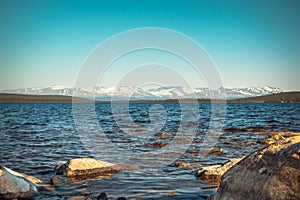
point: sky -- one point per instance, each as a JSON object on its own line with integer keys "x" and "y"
{"x": 252, "y": 43}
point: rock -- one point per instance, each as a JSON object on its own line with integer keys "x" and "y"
{"x": 15, "y": 185}
{"x": 55, "y": 180}
{"x": 102, "y": 196}
{"x": 231, "y": 143}
{"x": 163, "y": 134}
{"x": 272, "y": 139}
{"x": 250, "y": 143}
{"x": 87, "y": 167}
{"x": 281, "y": 134}
{"x": 121, "y": 198}
{"x": 266, "y": 141}
{"x": 270, "y": 173}
{"x": 158, "y": 144}
{"x": 213, "y": 173}
{"x": 31, "y": 178}
{"x": 216, "y": 151}
{"x": 77, "y": 198}
{"x": 186, "y": 165}
{"x": 172, "y": 194}
{"x": 60, "y": 168}
{"x": 275, "y": 136}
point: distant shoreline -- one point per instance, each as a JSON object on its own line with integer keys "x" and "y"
{"x": 279, "y": 97}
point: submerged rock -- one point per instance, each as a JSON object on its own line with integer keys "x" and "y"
{"x": 55, "y": 180}
{"x": 218, "y": 150}
{"x": 102, "y": 196}
{"x": 186, "y": 165}
{"x": 16, "y": 185}
{"x": 163, "y": 134}
{"x": 270, "y": 173}
{"x": 214, "y": 173}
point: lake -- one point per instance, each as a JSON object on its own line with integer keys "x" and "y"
{"x": 35, "y": 137}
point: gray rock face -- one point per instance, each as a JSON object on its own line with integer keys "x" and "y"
{"x": 214, "y": 173}
{"x": 15, "y": 185}
{"x": 270, "y": 173}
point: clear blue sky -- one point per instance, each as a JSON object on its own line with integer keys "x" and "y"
{"x": 253, "y": 43}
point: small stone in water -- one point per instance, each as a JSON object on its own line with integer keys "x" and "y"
{"x": 55, "y": 180}
{"x": 102, "y": 196}
{"x": 121, "y": 198}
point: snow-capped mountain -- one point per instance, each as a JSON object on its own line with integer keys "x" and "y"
{"x": 125, "y": 92}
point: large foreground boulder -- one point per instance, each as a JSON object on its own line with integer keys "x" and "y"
{"x": 214, "y": 173}
{"x": 270, "y": 173}
{"x": 16, "y": 185}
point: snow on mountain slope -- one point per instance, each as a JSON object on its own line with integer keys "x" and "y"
{"x": 125, "y": 92}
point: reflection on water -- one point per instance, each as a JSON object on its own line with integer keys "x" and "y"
{"x": 36, "y": 136}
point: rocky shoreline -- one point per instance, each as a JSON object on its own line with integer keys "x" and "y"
{"x": 271, "y": 172}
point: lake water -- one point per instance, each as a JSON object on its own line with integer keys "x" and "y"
{"x": 35, "y": 137}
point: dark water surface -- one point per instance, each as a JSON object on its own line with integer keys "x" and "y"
{"x": 35, "y": 137}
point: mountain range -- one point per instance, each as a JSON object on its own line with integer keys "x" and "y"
{"x": 170, "y": 92}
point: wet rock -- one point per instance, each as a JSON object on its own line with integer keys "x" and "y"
{"x": 60, "y": 168}
{"x": 270, "y": 173}
{"x": 214, "y": 173}
{"x": 31, "y": 178}
{"x": 186, "y": 165}
{"x": 87, "y": 167}
{"x": 216, "y": 151}
{"x": 157, "y": 144}
{"x": 121, "y": 198}
{"x": 231, "y": 143}
{"x": 163, "y": 134}
{"x": 77, "y": 198}
{"x": 55, "y": 180}
{"x": 278, "y": 134}
{"x": 271, "y": 140}
{"x": 47, "y": 188}
{"x": 233, "y": 130}
{"x": 266, "y": 141}
{"x": 172, "y": 194}
{"x": 15, "y": 185}
{"x": 102, "y": 196}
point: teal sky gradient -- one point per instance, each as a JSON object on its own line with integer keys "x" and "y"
{"x": 253, "y": 43}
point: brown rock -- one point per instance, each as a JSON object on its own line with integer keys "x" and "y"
{"x": 163, "y": 134}
{"x": 213, "y": 173}
{"x": 216, "y": 151}
{"x": 171, "y": 194}
{"x": 270, "y": 173}
{"x": 60, "y": 168}
{"x": 88, "y": 167}
{"x": 282, "y": 134}
{"x": 55, "y": 180}
{"x": 266, "y": 141}
{"x": 187, "y": 165}
{"x": 157, "y": 144}
{"x": 77, "y": 198}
